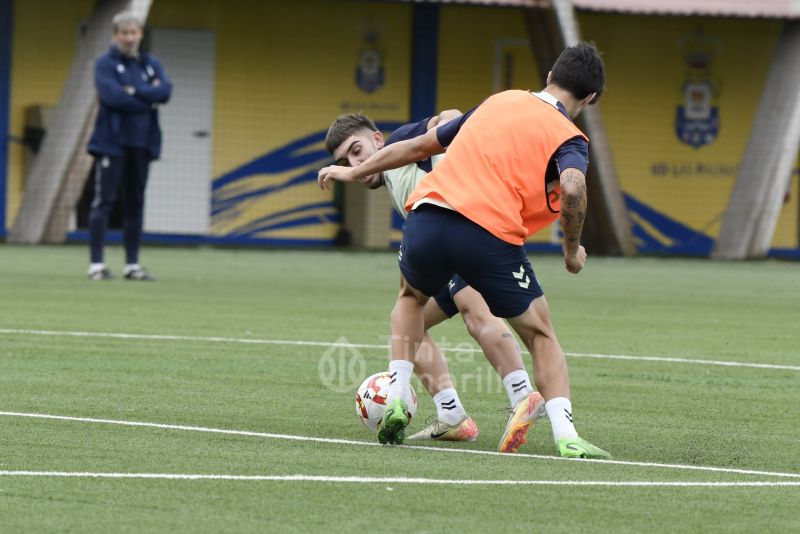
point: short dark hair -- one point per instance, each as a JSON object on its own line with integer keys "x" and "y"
{"x": 344, "y": 126}
{"x": 580, "y": 70}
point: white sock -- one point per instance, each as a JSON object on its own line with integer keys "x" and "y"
{"x": 401, "y": 371}
{"x": 559, "y": 410}
{"x": 131, "y": 267}
{"x": 94, "y": 267}
{"x": 518, "y": 386}
{"x": 448, "y": 407}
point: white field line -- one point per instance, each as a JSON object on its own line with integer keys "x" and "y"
{"x": 329, "y": 344}
{"x": 394, "y": 480}
{"x": 336, "y": 441}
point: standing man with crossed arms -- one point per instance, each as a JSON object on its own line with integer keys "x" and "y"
{"x": 127, "y": 137}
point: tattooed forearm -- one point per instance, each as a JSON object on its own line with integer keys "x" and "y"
{"x": 573, "y": 207}
{"x": 572, "y": 202}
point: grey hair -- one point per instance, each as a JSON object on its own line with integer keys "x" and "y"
{"x": 123, "y": 18}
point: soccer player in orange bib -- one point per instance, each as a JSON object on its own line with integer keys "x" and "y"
{"x": 351, "y": 139}
{"x": 514, "y": 164}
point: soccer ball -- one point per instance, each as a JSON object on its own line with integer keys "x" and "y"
{"x": 371, "y": 400}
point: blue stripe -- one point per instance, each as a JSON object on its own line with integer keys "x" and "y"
{"x": 287, "y": 157}
{"x": 290, "y": 156}
{"x": 424, "y": 59}
{"x": 221, "y": 205}
{"x": 784, "y": 253}
{"x": 283, "y": 159}
{"x": 6, "y": 26}
{"x": 644, "y": 241}
{"x": 175, "y": 239}
{"x": 313, "y": 220}
{"x": 272, "y": 241}
{"x": 115, "y": 237}
{"x": 283, "y": 213}
{"x": 268, "y": 221}
{"x": 684, "y": 239}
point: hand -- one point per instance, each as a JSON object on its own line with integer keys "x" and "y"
{"x": 574, "y": 261}
{"x": 328, "y": 174}
{"x": 156, "y": 82}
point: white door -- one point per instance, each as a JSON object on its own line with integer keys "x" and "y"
{"x": 178, "y": 191}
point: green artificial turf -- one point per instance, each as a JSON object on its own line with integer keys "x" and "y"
{"x": 239, "y": 340}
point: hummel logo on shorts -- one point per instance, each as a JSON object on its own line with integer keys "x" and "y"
{"x": 519, "y": 276}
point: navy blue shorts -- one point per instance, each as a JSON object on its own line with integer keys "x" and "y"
{"x": 445, "y": 296}
{"x": 438, "y": 243}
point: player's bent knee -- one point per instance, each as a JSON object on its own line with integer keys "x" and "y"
{"x": 406, "y": 290}
{"x": 481, "y": 317}
{"x": 484, "y": 326}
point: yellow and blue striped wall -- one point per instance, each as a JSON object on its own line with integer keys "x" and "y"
{"x": 285, "y": 70}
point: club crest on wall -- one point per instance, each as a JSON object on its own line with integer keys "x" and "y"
{"x": 697, "y": 116}
{"x": 370, "y": 74}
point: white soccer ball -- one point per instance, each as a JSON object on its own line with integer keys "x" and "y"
{"x": 371, "y": 400}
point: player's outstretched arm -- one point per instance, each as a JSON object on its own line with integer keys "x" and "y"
{"x": 390, "y": 157}
{"x": 573, "y": 213}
